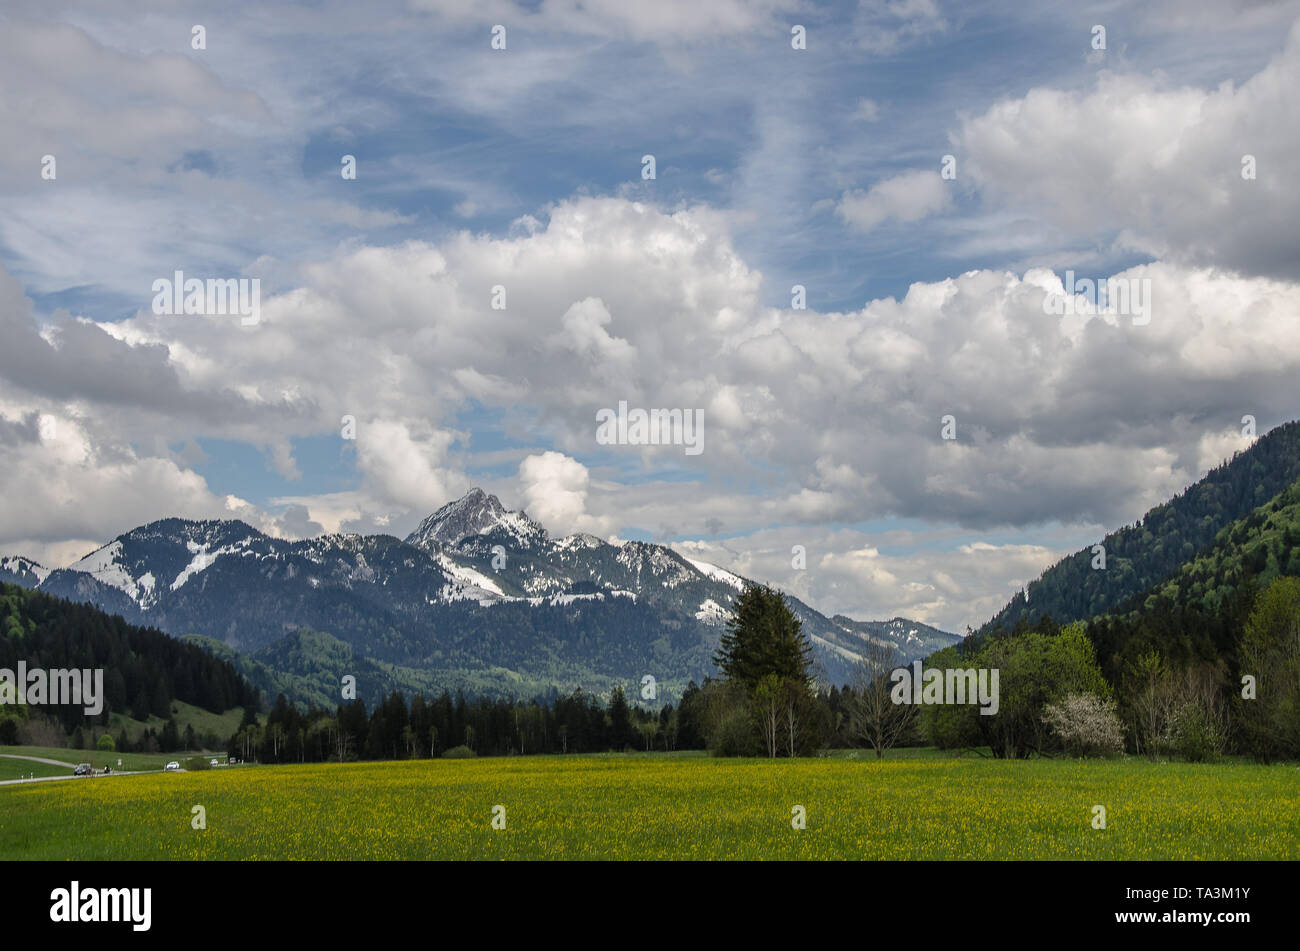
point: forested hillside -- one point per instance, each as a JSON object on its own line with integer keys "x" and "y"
{"x": 1141, "y": 555}
{"x": 1198, "y": 615}
{"x": 144, "y": 669}
{"x": 1203, "y": 662}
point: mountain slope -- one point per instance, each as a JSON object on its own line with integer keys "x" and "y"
{"x": 1259, "y": 547}
{"x": 1198, "y": 613}
{"x": 308, "y": 667}
{"x": 1168, "y": 536}
{"x": 910, "y": 638}
{"x": 144, "y": 669}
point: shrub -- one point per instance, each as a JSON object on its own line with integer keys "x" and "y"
{"x": 198, "y": 762}
{"x": 8, "y": 731}
{"x": 459, "y": 752}
{"x": 736, "y": 735}
{"x": 950, "y": 726}
{"x": 1196, "y": 726}
{"x": 1270, "y": 651}
{"x": 1195, "y": 734}
{"x": 106, "y": 744}
{"x": 1086, "y": 724}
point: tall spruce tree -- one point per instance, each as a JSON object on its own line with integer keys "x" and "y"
{"x": 763, "y": 637}
{"x": 621, "y": 731}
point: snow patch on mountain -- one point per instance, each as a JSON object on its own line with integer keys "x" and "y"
{"x": 467, "y": 583}
{"x": 520, "y": 526}
{"x": 105, "y": 566}
{"x": 830, "y": 645}
{"x": 718, "y": 574}
{"x": 557, "y": 600}
{"x": 361, "y": 570}
{"x": 18, "y": 565}
{"x": 541, "y": 585}
{"x": 654, "y": 560}
{"x": 711, "y": 612}
{"x": 594, "y": 596}
{"x": 202, "y": 559}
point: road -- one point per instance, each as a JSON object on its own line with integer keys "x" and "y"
{"x": 70, "y": 768}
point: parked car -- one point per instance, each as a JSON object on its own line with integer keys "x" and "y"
{"x": 83, "y": 769}
{"x": 213, "y": 763}
{"x": 172, "y": 765}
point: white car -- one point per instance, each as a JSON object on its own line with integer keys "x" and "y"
{"x": 213, "y": 763}
{"x": 172, "y": 765}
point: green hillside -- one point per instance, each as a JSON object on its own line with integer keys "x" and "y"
{"x": 1261, "y": 546}
{"x": 210, "y": 729}
{"x": 1198, "y": 614}
{"x": 150, "y": 681}
{"x": 308, "y": 667}
{"x": 1202, "y": 663}
{"x": 1142, "y": 555}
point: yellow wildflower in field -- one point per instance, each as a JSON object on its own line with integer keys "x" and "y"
{"x": 664, "y": 807}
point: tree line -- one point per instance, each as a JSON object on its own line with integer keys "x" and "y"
{"x": 1153, "y": 684}
{"x": 765, "y": 703}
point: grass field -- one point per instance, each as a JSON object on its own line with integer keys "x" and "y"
{"x": 22, "y": 768}
{"x": 185, "y": 714}
{"x": 651, "y": 807}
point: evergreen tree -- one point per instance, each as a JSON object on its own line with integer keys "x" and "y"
{"x": 161, "y": 705}
{"x": 689, "y": 718}
{"x": 141, "y": 708}
{"x": 171, "y": 736}
{"x": 621, "y": 731}
{"x": 763, "y": 637}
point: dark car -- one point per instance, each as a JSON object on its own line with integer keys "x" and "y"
{"x": 83, "y": 769}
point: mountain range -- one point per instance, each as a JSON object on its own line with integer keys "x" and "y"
{"x": 484, "y": 599}
{"x": 478, "y": 597}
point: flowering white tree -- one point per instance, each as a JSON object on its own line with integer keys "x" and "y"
{"x": 1087, "y": 724}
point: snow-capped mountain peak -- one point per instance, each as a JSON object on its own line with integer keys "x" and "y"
{"x": 19, "y": 570}
{"x": 474, "y": 513}
{"x": 163, "y": 555}
{"x": 579, "y": 540}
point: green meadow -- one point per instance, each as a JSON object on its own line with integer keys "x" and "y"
{"x": 920, "y": 806}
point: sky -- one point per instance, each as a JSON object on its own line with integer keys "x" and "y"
{"x": 502, "y": 267}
